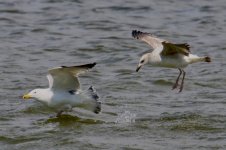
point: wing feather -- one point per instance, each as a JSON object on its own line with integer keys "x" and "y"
{"x": 66, "y": 78}
{"x": 151, "y": 40}
{"x": 163, "y": 46}
{"x": 171, "y": 49}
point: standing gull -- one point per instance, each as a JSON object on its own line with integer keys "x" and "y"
{"x": 166, "y": 54}
{"x": 64, "y": 91}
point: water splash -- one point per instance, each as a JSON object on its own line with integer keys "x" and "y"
{"x": 126, "y": 117}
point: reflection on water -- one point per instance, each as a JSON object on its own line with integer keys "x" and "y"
{"x": 65, "y": 120}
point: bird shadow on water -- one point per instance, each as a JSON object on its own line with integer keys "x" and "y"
{"x": 68, "y": 119}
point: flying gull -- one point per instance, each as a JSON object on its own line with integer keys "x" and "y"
{"x": 167, "y": 54}
{"x": 64, "y": 91}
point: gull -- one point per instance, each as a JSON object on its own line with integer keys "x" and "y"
{"x": 64, "y": 90}
{"x": 167, "y": 54}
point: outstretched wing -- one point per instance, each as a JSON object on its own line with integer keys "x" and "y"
{"x": 154, "y": 42}
{"x": 66, "y": 78}
{"x": 171, "y": 49}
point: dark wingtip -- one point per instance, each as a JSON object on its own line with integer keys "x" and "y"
{"x": 89, "y": 65}
{"x": 97, "y": 110}
{"x": 92, "y": 65}
{"x": 85, "y": 65}
{"x": 136, "y": 33}
{"x": 95, "y": 97}
{"x": 187, "y": 46}
{"x": 186, "y": 54}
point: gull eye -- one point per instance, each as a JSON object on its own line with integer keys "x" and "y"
{"x": 142, "y": 61}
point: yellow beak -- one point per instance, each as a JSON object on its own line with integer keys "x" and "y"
{"x": 26, "y": 96}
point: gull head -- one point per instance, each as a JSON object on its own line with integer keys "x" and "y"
{"x": 33, "y": 94}
{"x": 38, "y": 94}
{"x": 143, "y": 61}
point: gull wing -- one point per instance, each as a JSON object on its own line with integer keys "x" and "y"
{"x": 171, "y": 49}
{"x": 154, "y": 42}
{"x": 66, "y": 78}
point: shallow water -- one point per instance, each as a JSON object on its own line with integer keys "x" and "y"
{"x": 140, "y": 111}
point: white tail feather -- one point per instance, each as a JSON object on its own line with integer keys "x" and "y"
{"x": 195, "y": 58}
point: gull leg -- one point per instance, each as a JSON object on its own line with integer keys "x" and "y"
{"x": 65, "y": 108}
{"x": 182, "y": 82}
{"x": 59, "y": 113}
{"x": 176, "y": 83}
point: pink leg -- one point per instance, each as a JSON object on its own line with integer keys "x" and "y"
{"x": 182, "y": 82}
{"x": 176, "y": 83}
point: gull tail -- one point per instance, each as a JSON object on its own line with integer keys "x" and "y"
{"x": 204, "y": 59}
{"x": 207, "y": 59}
{"x": 95, "y": 97}
{"x": 194, "y": 58}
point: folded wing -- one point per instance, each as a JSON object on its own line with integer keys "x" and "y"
{"x": 171, "y": 49}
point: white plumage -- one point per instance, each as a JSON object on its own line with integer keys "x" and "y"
{"x": 64, "y": 91}
{"x": 166, "y": 54}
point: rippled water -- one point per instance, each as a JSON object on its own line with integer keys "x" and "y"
{"x": 140, "y": 111}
